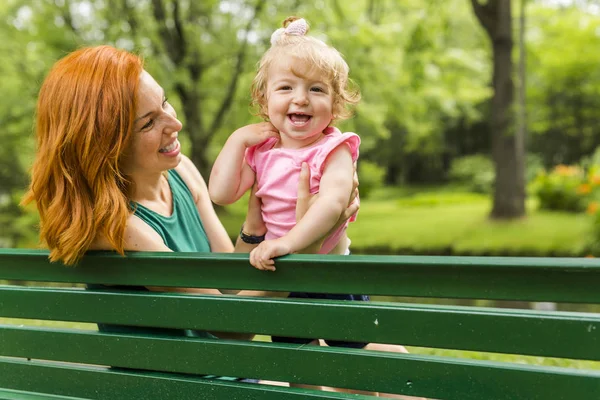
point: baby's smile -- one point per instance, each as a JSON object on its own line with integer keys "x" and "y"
{"x": 299, "y": 119}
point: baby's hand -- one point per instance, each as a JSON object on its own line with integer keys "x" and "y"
{"x": 256, "y": 133}
{"x": 262, "y": 256}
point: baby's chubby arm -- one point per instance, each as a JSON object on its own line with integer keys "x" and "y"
{"x": 335, "y": 191}
{"x": 231, "y": 176}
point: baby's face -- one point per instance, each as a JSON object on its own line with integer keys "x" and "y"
{"x": 299, "y": 103}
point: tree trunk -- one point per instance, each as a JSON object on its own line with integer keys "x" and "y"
{"x": 522, "y": 96}
{"x": 507, "y": 150}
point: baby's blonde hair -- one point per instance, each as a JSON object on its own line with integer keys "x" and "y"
{"x": 312, "y": 55}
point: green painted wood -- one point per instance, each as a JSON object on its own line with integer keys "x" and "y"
{"x": 433, "y": 377}
{"x": 467, "y": 328}
{"x": 20, "y": 395}
{"x": 533, "y": 279}
{"x": 104, "y": 384}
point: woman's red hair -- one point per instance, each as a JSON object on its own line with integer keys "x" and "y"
{"x": 85, "y": 117}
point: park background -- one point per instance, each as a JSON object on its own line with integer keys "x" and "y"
{"x": 437, "y": 130}
{"x": 480, "y": 129}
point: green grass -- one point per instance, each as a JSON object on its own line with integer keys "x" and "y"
{"x": 447, "y": 220}
{"x": 49, "y": 324}
{"x": 511, "y": 358}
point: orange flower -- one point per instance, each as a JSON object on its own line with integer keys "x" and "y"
{"x": 595, "y": 180}
{"x": 566, "y": 170}
{"x": 590, "y": 256}
{"x": 584, "y": 188}
{"x": 592, "y": 208}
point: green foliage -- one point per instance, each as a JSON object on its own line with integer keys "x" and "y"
{"x": 533, "y": 166}
{"x": 565, "y": 188}
{"x": 434, "y": 81}
{"x": 563, "y": 82}
{"x": 477, "y": 171}
{"x": 371, "y": 177}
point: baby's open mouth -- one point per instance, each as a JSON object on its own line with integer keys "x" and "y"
{"x": 299, "y": 119}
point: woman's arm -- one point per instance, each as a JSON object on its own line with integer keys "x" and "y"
{"x": 253, "y": 225}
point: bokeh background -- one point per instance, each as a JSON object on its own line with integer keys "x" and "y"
{"x": 480, "y": 129}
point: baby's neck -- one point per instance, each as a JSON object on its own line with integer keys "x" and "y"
{"x": 287, "y": 142}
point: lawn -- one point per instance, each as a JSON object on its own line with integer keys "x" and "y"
{"x": 449, "y": 221}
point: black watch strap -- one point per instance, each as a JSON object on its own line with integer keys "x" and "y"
{"x": 250, "y": 239}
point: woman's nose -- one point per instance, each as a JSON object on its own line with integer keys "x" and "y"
{"x": 173, "y": 124}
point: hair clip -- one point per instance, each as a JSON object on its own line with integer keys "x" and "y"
{"x": 298, "y": 27}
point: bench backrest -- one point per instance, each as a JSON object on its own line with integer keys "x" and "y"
{"x": 65, "y": 362}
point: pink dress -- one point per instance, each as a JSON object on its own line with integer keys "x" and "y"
{"x": 278, "y": 172}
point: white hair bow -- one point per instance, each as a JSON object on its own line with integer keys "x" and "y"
{"x": 298, "y": 27}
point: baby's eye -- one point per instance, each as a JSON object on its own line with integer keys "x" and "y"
{"x": 285, "y": 87}
{"x": 317, "y": 89}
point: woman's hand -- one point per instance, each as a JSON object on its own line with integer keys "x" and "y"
{"x": 305, "y": 201}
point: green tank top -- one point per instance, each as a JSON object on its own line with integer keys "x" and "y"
{"x": 183, "y": 230}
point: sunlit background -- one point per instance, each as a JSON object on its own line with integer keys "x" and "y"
{"x": 427, "y": 119}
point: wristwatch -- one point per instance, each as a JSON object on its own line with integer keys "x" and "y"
{"x": 250, "y": 239}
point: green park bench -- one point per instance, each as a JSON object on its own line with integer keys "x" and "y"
{"x": 62, "y": 362}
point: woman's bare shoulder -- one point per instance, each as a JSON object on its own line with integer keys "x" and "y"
{"x": 139, "y": 236}
{"x": 192, "y": 178}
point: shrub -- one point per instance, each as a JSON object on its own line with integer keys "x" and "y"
{"x": 476, "y": 170}
{"x": 370, "y": 176}
{"x": 565, "y": 188}
{"x": 593, "y": 206}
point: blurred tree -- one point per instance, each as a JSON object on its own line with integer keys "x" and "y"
{"x": 563, "y": 91}
{"x": 507, "y": 148}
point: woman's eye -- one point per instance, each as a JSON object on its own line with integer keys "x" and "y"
{"x": 148, "y": 124}
{"x": 165, "y": 102}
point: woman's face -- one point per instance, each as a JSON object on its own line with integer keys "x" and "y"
{"x": 154, "y": 145}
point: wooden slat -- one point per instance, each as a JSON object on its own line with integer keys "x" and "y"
{"x": 433, "y": 377}
{"x": 105, "y": 384}
{"x": 467, "y": 328}
{"x": 533, "y": 279}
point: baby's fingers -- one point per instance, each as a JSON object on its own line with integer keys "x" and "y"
{"x": 259, "y": 262}
{"x": 254, "y": 260}
{"x": 268, "y": 264}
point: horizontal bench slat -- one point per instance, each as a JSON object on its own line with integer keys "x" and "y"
{"x": 105, "y": 384}
{"x": 433, "y": 377}
{"x": 531, "y": 279}
{"x": 466, "y": 328}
